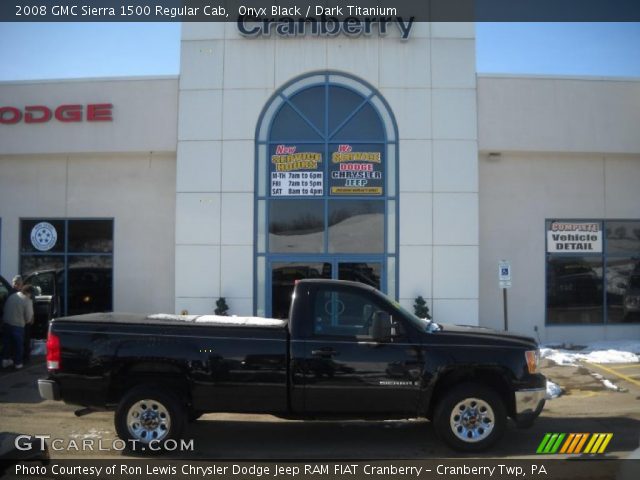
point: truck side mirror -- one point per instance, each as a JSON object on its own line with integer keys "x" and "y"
{"x": 381, "y": 327}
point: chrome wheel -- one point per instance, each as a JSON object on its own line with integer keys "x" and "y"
{"x": 472, "y": 420}
{"x": 148, "y": 420}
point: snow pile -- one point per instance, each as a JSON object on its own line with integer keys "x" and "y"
{"x": 221, "y": 320}
{"x": 607, "y": 383}
{"x": 553, "y": 390}
{"x": 251, "y": 321}
{"x": 610, "y": 351}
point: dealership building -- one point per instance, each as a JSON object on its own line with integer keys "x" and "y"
{"x": 381, "y": 157}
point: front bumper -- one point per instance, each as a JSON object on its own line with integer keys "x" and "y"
{"x": 49, "y": 389}
{"x": 529, "y": 404}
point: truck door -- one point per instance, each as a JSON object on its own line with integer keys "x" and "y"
{"x": 345, "y": 369}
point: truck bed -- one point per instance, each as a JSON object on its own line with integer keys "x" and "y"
{"x": 176, "y": 320}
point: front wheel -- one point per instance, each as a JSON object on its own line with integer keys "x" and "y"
{"x": 147, "y": 417}
{"x": 470, "y": 418}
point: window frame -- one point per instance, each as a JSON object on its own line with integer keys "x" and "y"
{"x": 389, "y": 145}
{"x": 65, "y": 254}
{"x": 604, "y": 256}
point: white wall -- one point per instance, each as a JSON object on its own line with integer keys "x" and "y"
{"x": 429, "y": 82}
{"x": 518, "y": 191}
{"x": 568, "y": 148}
{"x": 136, "y": 190}
{"x": 124, "y": 169}
{"x": 144, "y": 116}
{"x": 554, "y": 114}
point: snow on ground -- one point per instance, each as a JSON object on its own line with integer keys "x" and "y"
{"x": 553, "y": 390}
{"x": 607, "y": 383}
{"x": 608, "y": 351}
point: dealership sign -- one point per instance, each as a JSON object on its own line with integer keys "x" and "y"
{"x": 70, "y": 113}
{"x": 574, "y": 237}
{"x": 254, "y": 24}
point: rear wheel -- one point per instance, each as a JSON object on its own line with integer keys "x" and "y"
{"x": 470, "y": 417}
{"x": 147, "y": 417}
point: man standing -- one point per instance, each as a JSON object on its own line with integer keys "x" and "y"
{"x": 18, "y": 313}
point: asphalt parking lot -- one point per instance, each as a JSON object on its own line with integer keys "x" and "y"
{"x": 586, "y": 406}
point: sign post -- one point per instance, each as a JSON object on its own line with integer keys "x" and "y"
{"x": 504, "y": 279}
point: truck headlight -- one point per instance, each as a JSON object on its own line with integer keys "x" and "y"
{"x": 532, "y": 357}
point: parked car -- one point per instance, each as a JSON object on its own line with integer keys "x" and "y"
{"x": 5, "y": 291}
{"x": 346, "y": 351}
{"x": 89, "y": 290}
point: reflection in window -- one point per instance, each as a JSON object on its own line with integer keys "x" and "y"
{"x": 356, "y": 226}
{"x": 90, "y": 284}
{"x": 91, "y": 236}
{"x": 623, "y": 290}
{"x": 283, "y": 278}
{"x": 367, "y": 273}
{"x": 574, "y": 290}
{"x": 623, "y": 237}
{"x": 296, "y": 226}
{"x": 342, "y": 313}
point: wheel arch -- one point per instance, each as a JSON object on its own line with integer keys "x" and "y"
{"x": 495, "y": 378}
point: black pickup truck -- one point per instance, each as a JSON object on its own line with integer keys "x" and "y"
{"x": 347, "y": 351}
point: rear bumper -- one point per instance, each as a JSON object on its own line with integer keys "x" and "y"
{"x": 49, "y": 389}
{"x": 529, "y": 404}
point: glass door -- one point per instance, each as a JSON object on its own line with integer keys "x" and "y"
{"x": 283, "y": 275}
{"x": 369, "y": 273}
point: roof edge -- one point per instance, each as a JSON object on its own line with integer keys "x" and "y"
{"x": 141, "y": 78}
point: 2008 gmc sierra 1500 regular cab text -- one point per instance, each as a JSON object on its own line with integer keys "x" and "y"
{"x": 347, "y": 351}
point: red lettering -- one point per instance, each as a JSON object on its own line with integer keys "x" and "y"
{"x": 69, "y": 113}
{"x": 37, "y": 114}
{"x": 99, "y": 112}
{"x": 344, "y": 148}
{"x": 10, "y": 115}
{"x": 283, "y": 149}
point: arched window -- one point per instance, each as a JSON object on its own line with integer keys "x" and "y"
{"x": 326, "y": 188}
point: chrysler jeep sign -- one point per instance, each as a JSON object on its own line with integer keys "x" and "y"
{"x": 70, "y": 113}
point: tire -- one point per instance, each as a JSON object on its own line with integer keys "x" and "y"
{"x": 149, "y": 414}
{"x": 470, "y": 418}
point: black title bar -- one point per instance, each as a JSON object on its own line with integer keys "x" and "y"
{"x": 320, "y": 10}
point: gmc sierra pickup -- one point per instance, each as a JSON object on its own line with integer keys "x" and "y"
{"x": 346, "y": 351}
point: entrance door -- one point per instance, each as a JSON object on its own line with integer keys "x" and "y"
{"x": 284, "y": 275}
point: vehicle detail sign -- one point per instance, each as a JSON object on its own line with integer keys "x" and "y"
{"x": 568, "y": 237}
{"x": 296, "y": 171}
{"x": 356, "y": 170}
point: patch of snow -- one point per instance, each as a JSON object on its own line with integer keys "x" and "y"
{"x": 168, "y": 316}
{"x": 252, "y": 321}
{"x": 609, "y": 351}
{"x": 553, "y": 390}
{"x": 607, "y": 383}
{"x": 93, "y": 433}
{"x": 561, "y": 357}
